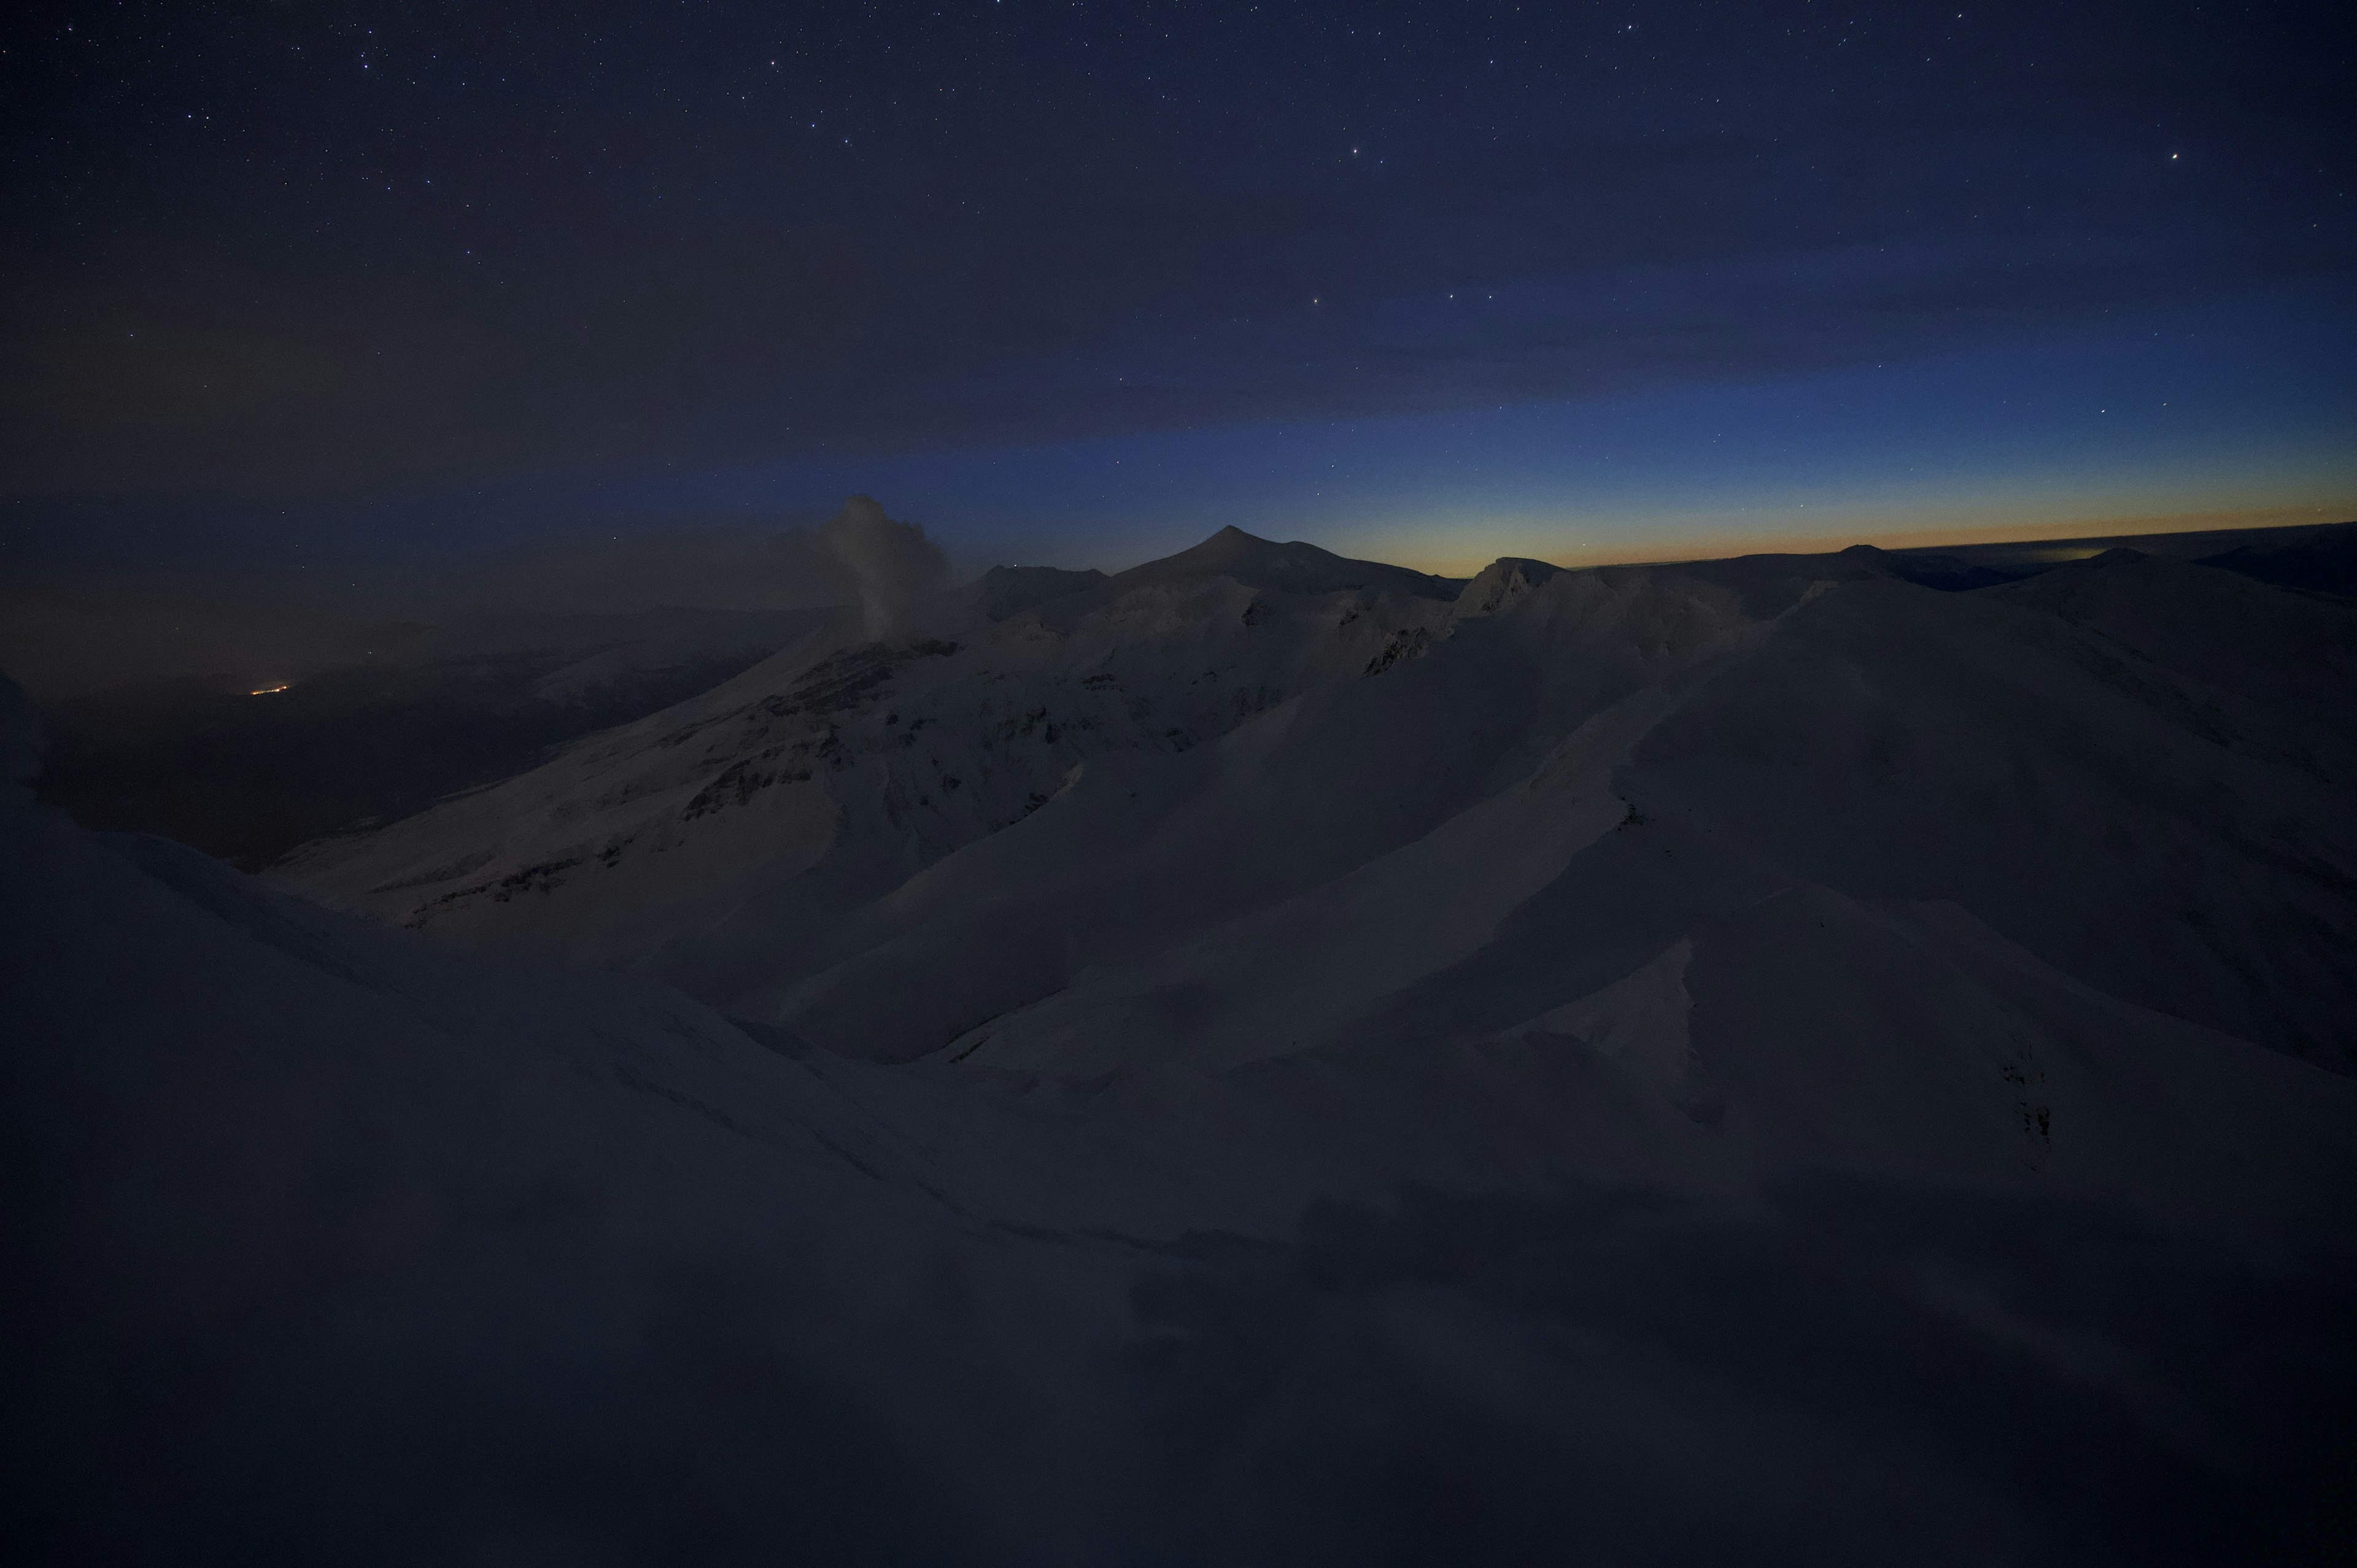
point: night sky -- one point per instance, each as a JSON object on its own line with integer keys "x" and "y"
{"x": 1080, "y": 283}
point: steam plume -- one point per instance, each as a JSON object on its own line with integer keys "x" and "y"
{"x": 894, "y": 563}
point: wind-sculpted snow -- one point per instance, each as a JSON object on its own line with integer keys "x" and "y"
{"x": 1259, "y": 1058}
{"x": 1255, "y": 797}
{"x": 1745, "y": 1223}
{"x": 829, "y": 775}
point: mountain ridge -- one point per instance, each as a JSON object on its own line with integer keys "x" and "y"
{"x": 1478, "y": 1055}
{"x": 1116, "y": 773}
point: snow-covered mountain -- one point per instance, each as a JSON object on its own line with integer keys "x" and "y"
{"x": 1644, "y": 1213}
{"x": 1255, "y": 798}
{"x": 1760, "y": 1062}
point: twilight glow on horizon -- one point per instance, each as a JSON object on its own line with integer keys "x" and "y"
{"x": 1080, "y": 284}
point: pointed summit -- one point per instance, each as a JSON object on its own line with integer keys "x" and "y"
{"x": 1293, "y": 567}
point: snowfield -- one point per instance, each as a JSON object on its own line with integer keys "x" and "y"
{"x": 1255, "y": 798}
{"x": 1262, "y": 1058}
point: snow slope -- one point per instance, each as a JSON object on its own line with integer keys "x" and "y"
{"x": 835, "y": 769}
{"x": 1254, "y": 797}
{"x": 1832, "y": 1228}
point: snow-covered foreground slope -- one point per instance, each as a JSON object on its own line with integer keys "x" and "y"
{"x": 1256, "y": 797}
{"x": 1593, "y": 1207}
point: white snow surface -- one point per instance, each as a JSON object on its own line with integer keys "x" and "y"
{"x": 1754, "y": 1062}
{"x": 1255, "y": 798}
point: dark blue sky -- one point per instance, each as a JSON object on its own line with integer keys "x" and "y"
{"x": 1076, "y": 281}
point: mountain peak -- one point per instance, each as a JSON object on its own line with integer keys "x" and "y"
{"x": 1233, "y": 543}
{"x": 1293, "y": 566}
{"x": 1501, "y": 581}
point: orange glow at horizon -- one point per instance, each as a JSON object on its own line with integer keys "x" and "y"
{"x": 1625, "y": 551}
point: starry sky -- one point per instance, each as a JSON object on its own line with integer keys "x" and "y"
{"x": 1079, "y": 282}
